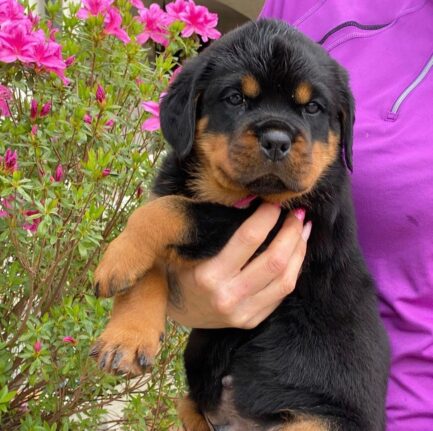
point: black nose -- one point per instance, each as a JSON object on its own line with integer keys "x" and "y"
{"x": 275, "y": 144}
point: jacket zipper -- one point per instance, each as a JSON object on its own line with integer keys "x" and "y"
{"x": 350, "y": 24}
{"x": 393, "y": 113}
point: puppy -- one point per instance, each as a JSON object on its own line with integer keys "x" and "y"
{"x": 263, "y": 114}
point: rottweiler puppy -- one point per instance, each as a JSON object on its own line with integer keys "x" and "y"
{"x": 263, "y": 114}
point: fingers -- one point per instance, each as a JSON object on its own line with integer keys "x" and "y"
{"x": 258, "y": 317}
{"x": 273, "y": 261}
{"x": 283, "y": 285}
{"x": 224, "y": 292}
{"x": 254, "y": 309}
{"x": 247, "y": 239}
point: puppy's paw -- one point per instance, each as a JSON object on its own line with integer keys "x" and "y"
{"x": 127, "y": 350}
{"x": 121, "y": 266}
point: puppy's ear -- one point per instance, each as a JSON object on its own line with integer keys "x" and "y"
{"x": 179, "y": 106}
{"x": 346, "y": 115}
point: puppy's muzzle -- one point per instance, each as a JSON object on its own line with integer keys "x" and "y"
{"x": 275, "y": 137}
{"x": 275, "y": 144}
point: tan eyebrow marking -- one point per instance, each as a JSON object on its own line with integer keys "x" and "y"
{"x": 250, "y": 86}
{"x": 303, "y": 93}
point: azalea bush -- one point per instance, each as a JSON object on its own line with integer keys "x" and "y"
{"x": 79, "y": 143}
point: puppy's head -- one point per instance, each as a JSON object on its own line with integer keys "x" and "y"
{"x": 264, "y": 111}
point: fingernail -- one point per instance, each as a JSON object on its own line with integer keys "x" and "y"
{"x": 306, "y": 231}
{"x": 299, "y": 213}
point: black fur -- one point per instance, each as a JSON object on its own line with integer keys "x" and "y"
{"x": 323, "y": 352}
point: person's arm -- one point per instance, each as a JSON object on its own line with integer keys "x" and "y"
{"x": 225, "y": 292}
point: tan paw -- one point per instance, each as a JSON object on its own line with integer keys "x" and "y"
{"x": 121, "y": 266}
{"x": 127, "y": 350}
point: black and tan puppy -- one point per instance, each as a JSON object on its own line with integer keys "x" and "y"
{"x": 265, "y": 113}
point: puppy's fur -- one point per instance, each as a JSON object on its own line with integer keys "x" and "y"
{"x": 263, "y": 112}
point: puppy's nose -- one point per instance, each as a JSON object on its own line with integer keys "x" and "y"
{"x": 275, "y": 144}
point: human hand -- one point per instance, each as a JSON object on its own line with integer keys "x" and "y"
{"x": 225, "y": 291}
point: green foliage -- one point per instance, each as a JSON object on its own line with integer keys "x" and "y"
{"x": 57, "y": 221}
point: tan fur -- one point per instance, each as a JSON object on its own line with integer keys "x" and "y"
{"x": 306, "y": 425}
{"x": 323, "y": 155}
{"x": 148, "y": 231}
{"x": 137, "y": 323}
{"x": 215, "y": 181}
{"x": 250, "y": 86}
{"x": 303, "y": 93}
{"x": 191, "y": 418}
{"x": 309, "y": 168}
{"x": 213, "y": 178}
{"x": 134, "y": 258}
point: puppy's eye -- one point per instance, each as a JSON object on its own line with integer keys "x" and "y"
{"x": 312, "y": 108}
{"x": 235, "y": 99}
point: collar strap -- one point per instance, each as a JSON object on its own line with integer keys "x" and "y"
{"x": 244, "y": 202}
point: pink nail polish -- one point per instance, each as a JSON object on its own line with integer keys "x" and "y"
{"x": 306, "y": 231}
{"x": 299, "y": 213}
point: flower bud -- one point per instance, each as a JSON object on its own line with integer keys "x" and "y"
{"x": 46, "y": 109}
{"x": 37, "y": 346}
{"x": 100, "y": 94}
{"x": 33, "y": 109}
{"x": 58, "y": 175}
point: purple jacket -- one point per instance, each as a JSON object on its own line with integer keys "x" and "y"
{"x": 387, "y": 47}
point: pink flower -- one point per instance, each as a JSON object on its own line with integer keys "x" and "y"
{"x": 34, "y": 19}
{"x": 100, "y": 94}
{"x": 33, "y": 109}
{"x": 155, "y": 22}
{"x": 53, "y": 33}
{"x": 11, "y": 10}
{"x": 152, "y": 123}
{"x": 37, "y": 347}
{"x": 70, "y": 339}
{"x": 199, "y": 20}
{"x": 70, "y": 60}
{"x": 58, "y": 174}
{"x": 112, "y": 21}
{"x": 16, "y": 42}
{"x": 5, "y": 96}
{"x": 88, "y": 118}
{"x": 10, "y": 161}
{"x": 112, "y": 17}
{"x": 48, "y": 55}
{"x": 5, "y": 206}
{"x": 109, "y": 123}
{"x": 138, "y": 4}
{"x": 106, "y": 172}
{"x": 32, "y": 225}
{"x": 175, "y": 9}
{"x": 34, "y": 129}
{"x": 46, "y": 109}
{"x": 94, "y": 8}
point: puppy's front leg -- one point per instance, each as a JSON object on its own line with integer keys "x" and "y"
{"x": 150, "y": 235}
{"x": 133, "y": 335}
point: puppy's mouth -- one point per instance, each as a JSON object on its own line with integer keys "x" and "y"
{"x": 271, "y": 184}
